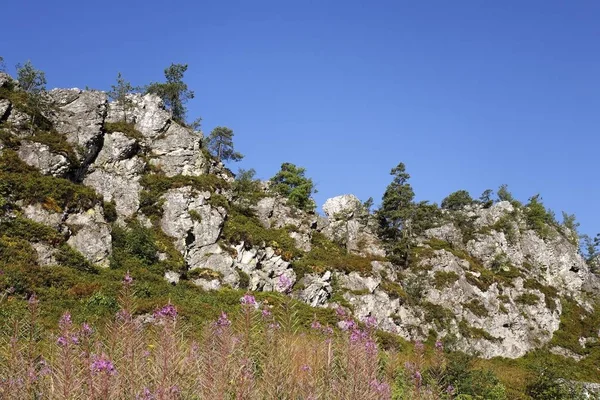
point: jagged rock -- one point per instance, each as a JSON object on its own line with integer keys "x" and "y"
{"x": 4, "y": 108}
{"x": 384, "y": 270}
{"x": 172, "y": 277}
{"x": 40, "y": 215}
{"x": 561, "y": 351}
{"x": 213, "y": 257}
{"x": 353, "y": 281}
{"x": 265, "y": 268}
{"x": 39, "y": 156}
{"x": 175, "y": 150}
{"x": 273, "y": 212}
{"x": 45, "y": 254}
{"x": 5, "y": 79}
{"x": 378, "y": 305}
{"x": 208, "y": 284}
{"x": 19, "y": 119}
{"x": 116, "y": 173}
{"x": 447, "y": 232}
{"x": 349, "y": 225}
{"x": 316, "y": 290}
{"x": 92, "y": 235}
{"x": 80, "y": 117}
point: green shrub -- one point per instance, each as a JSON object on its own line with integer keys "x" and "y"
{"x": 325, "y": 254}
{"x": 30, "y": 230}
{"x": 477, "y": 308}
{"x": 457, "y": 200}
{"x": 248, "y": 229}
{"x": 124, "y": 127}
{"x": 393, "y": 289}
{"x": 576, "y": 322}
{"x": 71, "y": 258}
{"x": 528, "y": 299}
{"x": 444, "y": 279}
{"x": 22, "y": 182}
{"x": 110, "y": 211}
{"x": 550, "y": 293}
{"x": 538, "y": 218}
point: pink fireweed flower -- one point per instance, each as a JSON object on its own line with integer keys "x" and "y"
{"x": 62, "y": 341}
{"x": 371, "y": 321}
{"x": 248, "y": 300}
{"x": 450, "y": 390}
{"x": 33, "y": 300}
{"x": 285, "y": 283}
{"x": 86, "y": 329}
{"x": 65, "y": 321}
{"x": 223, "y": 321}
{"x": 381, "y": 388}
{"x": 167, "y": 312}
{"x": 102, "y": 364}
{"x": 145, "y": 395}
{"x": 305, "y": 368}
{"x": 123, "y": 315}
{"x": 266, "y": 313}
{"x": 439, "y": 346}
{"x": 419, "y": 346}
{"x": 346, "y": 325}
{"x": 74, "y": 339}
{"x": 316, "y": 325}
{"x": 274, "y": 326}
{"x": 127, "y": 279}
{"x": 340, "y": 312}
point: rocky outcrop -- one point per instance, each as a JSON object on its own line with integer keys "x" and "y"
{"x": 351, "y": 225}
{"x": 481, "y": 278}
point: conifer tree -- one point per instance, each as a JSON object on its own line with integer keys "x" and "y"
{"x": 220, "y": 144}
{"x": 120, "y": 94}
{"x": 174, "y": 92}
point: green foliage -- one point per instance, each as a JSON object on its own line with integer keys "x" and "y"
{"x": 504, "y": 224}
{"x": 538, "y": 218}
{"x": 550, "y": 293}
{"x": 393, "y": 289}
{"x": 444, "y": 279}
{"x": 220, "y": 144}
{"x": 486, "y": 198}
{"x": 133, "y": 247}
{"x": 472, "y": 332}
{"x": 110, "y": 211}
{"x": 477, "y": 308}
{"x": 240, "y": 227}
{"x": 18, "y": 181}
{"x": 246, "y": 189}
{"x": 437, "y": 314}
{"x": 591, "y": 251}
{"x": 548, "y": 385}
{"x": 128, "y": 128}
{"x": 472, "y": 382}
{"x": 156, "y": 185}
{"x": 504, "y": 194}
{"x": 528, "y": 299}
{"x": 30, "y": 230}
{"x": 174, "y": 92}
{"x": 457, "y": 200}
{"x": 119, "y": 93}
{"x": 203, "y": 273}
{"x": 195, "y": 215}
{"x": 292, "y": 183}
{"x": 33, "y": 82}
{"x": 71, "y": 258}
{"x": 326, "y": 254}
{"x": 576, "y": 322}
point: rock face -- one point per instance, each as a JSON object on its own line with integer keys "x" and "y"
{"x": 350, "y": 225}
{"x": 491, "y": 285}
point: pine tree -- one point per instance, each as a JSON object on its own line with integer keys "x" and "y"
{"x": 220, "y": 144}
{"x": 120, "y": 94}
{"x": 174, "y": 92}
{"x": 33, "y": 82}
{"x": 292, "y": 183}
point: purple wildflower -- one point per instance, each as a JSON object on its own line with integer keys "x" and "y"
{"x": 103, "y": 365}
{"x": 346, "y": 325}
{"x": 167, "y": 312}
{"x": 382, "y": 388}
{"x": 127, "y": 279}
{"x": 248, "y": 300}
{"x": 62, "y": 341}
{"x": 65, "y": 321}
{"x": 340, "y": 312}
{"x": 285, "y": 283}
{"x": 86, "y": 329}
{"x": 316, "y": 325}
{"x": 145, "y": 395}
{"x": 439, "y": 346}
{"x": 266, "y": 313}
{"x": 450, "y": 390}
{"x": 33, "y": 300}
{"x": 371, "y": 321}
{"x": 223, "y": 321}
{"x": 305, "y": 368}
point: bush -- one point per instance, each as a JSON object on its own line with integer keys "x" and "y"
{"x": 444, "y": 279}
{"x": 457, "y": 200}
{"x": 127, "y": 128}
{"x": 71, "y": 258}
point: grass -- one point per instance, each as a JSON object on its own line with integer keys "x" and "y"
{"x": 443, "y": 279}
{"x": 124, "y": 127}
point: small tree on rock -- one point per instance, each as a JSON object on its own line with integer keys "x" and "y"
{"x": 119, "y": 93}
{"x": 33, "y": 82}
{"x": 220, "y": 144}
{"x": 291, "y": 182}
{"x": 2, "y": 65}
{"x": 174, "y": 92}
{"x": 457, "y": 200}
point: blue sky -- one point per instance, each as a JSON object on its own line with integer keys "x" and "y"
{"x": 468, "y": 94}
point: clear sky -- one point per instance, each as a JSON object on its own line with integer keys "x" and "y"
{"x": 468, "y": 94}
